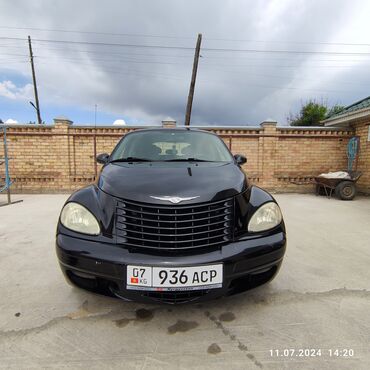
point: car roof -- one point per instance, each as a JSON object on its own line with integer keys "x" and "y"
{"x": 169, "y": 129}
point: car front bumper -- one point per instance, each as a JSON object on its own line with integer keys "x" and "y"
{"x": 101, "y": 267}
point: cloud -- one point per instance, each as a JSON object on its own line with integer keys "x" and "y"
{"x": 119, "y": 122}
{"x": 9, "y": 90}
{"x": 10, "y": 120}
{"x": 232, "y": 88}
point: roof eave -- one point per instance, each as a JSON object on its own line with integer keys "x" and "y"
{"x": 346, "y": 118}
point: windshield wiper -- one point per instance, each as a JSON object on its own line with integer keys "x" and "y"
{"x": 131, "y": 159}
{"x": 187, "y": 160}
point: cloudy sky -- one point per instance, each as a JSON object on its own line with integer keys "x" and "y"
{"x": 260, "y": 59}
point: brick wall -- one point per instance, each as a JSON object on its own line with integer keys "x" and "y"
{"x": 60, "y": 158}
{"x": 361, "y": 129}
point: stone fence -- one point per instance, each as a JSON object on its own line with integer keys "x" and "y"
{"x": 61, "y": 157}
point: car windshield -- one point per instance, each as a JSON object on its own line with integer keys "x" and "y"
{"x": 171, "y": 145}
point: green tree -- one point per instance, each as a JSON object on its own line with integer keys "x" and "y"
{"x": 335, "y": 109}
{"x": 310, "y": 114}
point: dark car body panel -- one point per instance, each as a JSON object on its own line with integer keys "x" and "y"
{"x": 108, "y": 262}
{"x": 138, "y": 181}
{"x": 98, "y": 263}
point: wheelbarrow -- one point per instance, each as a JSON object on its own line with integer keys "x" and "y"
{"x": 344, "y": 188}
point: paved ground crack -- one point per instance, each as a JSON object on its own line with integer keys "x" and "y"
{"x": 50, "y": 323}
{"x": 280, "y": 297}
{"x": 287, "y": 296}
{"x": 241, "y": 346}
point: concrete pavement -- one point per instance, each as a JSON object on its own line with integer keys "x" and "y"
{"x": 320, "y": 300}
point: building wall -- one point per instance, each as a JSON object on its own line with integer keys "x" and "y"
{"x": 361, "y": 128}
{"x": 60, "y": 158}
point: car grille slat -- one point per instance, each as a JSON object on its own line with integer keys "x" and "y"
{"x": 173, "y": 248}
{"x": 175, "y": 234}
{"x": 174, "y": 214}
{"x": 174, "y": 226}
{"x": 173, "y": 241}
{"x": 169, "y": 220}
{"x": 164, "y": 206}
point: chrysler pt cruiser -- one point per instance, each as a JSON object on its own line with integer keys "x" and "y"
{"x": 172, "y": 218}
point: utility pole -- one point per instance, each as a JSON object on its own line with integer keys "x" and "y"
{"x": 192, "y": 83}
{"x": 95, "y": 164}
{"x": 34, "y": 83}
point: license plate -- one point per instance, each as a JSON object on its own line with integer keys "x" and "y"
{"x": 174, "y": 278}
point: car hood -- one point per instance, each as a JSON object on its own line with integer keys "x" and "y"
{"x": 140, "y": 181}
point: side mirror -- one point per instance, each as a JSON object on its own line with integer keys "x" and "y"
{"x": 102, "y": 158}
{"x": 240, "y": 159}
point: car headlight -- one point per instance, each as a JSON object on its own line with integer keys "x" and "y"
{"x": 76, "y": 217}
{"x": 266, "y": 217}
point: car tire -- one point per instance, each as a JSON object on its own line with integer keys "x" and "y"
{"x": 345, "y": 190}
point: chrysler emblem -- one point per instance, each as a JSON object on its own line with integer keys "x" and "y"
{"x": 174, "y": 199}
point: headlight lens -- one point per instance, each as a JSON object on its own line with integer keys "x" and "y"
{"x": 266, "y": 217}
{"x": 76, "y": 217}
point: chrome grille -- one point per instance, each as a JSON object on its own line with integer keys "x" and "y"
{"x": 174, "y": 227}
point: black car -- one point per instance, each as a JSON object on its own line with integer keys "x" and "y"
{"x": 172, "y": 218}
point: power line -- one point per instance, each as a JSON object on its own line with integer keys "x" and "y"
{"x": 302, "y": 79}
{"x": 283, "y": 87}
{"x": 293, "y": 66}
{"x": 291, "y": 42}
{"x": 184, "y": 37}
{"x": 125, "y": 59}
{"x": 6, "y": 61}
{"x": 112, "y": 53}
{"x": 133, "y": 61}
{"x": 109, "y": 60}
{"x": 204, "y": 56}
{"x": 13, "y": 38}
{"x": 96, "y": 43}
{"x": 12, "y": 46}
{"x": 176, "y": 78}
{"x": 72, "y": 42}
{"x": 207, "y": 81}
{"x": 96, "y": 33}
{"x": 42, "y": 48}
{"x": 127, "y": 72}
{"x": 133, "y": 72}
{"x": 303, "y": 64}
{"x": 18, "y": 55}
{"x": 169, "y": 47}
{"x": 286, "y": 51}
{"x": 227, "y": 57}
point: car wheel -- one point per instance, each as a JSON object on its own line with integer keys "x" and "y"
{"x": 345, "y": 190}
